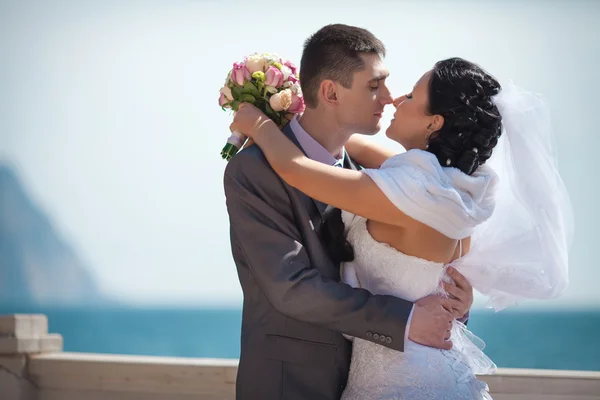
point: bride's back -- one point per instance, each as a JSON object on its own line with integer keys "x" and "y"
{"x": 418, "y": 240}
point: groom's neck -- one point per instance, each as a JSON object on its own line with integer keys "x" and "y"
{"x": 322, "y": 127}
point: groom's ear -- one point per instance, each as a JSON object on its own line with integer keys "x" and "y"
{"x": 328, "y": 91}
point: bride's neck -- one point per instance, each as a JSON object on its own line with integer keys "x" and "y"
{"x": 325, "y": 130}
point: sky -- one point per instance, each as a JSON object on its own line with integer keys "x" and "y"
{"x": 109, "y": 115}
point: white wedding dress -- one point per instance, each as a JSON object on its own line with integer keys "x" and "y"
{"x": 518, "y": 214}
{"x": 420, "y": 372}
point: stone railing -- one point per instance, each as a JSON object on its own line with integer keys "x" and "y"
{"x": 33, "y": 367}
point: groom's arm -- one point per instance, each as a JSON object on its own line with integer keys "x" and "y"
{"x": 264, "y": 232}
{"x": 378, "y": 157}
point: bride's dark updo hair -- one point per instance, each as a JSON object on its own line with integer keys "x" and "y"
{"x": 462, "y": 92}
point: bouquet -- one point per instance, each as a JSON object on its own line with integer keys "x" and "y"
{"x": 268, "y": 82}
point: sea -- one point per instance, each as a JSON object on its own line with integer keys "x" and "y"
{"x": 565, "y": 339}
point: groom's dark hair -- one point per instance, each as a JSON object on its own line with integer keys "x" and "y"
{"x": 333, "y": 52}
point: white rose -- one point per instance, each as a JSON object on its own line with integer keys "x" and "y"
{"x": 255, "y": 62}
{"x": 271, "y": 57}
{"x": 286, "y": 71}
{"x": 226, "y": 91}
{"x": 281, "y": 101}
{"x": 296, "y": 89}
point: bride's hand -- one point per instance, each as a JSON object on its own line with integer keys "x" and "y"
{"x": 248, "y": 119}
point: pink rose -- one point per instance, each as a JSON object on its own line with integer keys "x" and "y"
{"x": 297, "y": 105}
{"x": 240, "y": 74}
{"x": 227, "y": 92}
{"x": 292, "y": 78}
{"x": 273, "y": 77}
{"x": 223, "y": 100}
{"x": 291, "y": 66}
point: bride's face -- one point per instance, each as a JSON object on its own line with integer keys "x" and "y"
{"x": 412, "y": 124}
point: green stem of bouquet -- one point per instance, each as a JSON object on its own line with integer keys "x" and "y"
{"x": 229, "y": 151}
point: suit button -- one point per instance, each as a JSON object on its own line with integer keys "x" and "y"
{"x": 382, "y": 338}
{"x": 376, "y": 336}
{"x": 388, "y": 340}
{"x": 369, "y": 334}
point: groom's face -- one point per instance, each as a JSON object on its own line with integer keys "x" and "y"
{"x": 361, "y": 106}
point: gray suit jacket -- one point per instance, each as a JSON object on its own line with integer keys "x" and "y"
{"x": 295, "y": 307}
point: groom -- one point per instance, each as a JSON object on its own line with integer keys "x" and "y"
{"x": 295, "y": 307}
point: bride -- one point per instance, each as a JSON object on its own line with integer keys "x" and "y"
{"x": 504, "y": 222}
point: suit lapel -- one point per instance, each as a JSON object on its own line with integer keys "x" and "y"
{"x": 348, "y": 164}
{"x": 287, "y": 130}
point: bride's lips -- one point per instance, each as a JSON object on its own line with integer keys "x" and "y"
{"x": 379, "y": 115}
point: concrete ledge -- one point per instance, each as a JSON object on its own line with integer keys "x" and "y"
{"x": 530, "y": 384}
{"x": 142, "y": 374}
{"x": 79, "y": 376}
{"x": 23, "y": 325}
{"x": 30, "y": 345}
{"x": 33, "y": 368}
{"x": 13, "y": 378}
{"x": 27, "y": 334}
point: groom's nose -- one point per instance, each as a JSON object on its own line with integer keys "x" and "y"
{"x": 386, "y": 97}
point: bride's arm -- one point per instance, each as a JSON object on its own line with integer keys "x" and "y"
{"x": 367, "y": 153}
{"x": 346, "y": 189}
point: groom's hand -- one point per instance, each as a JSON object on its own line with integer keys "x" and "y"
{"x": 431, "y": 322}
{"x": 461, "y": 291}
